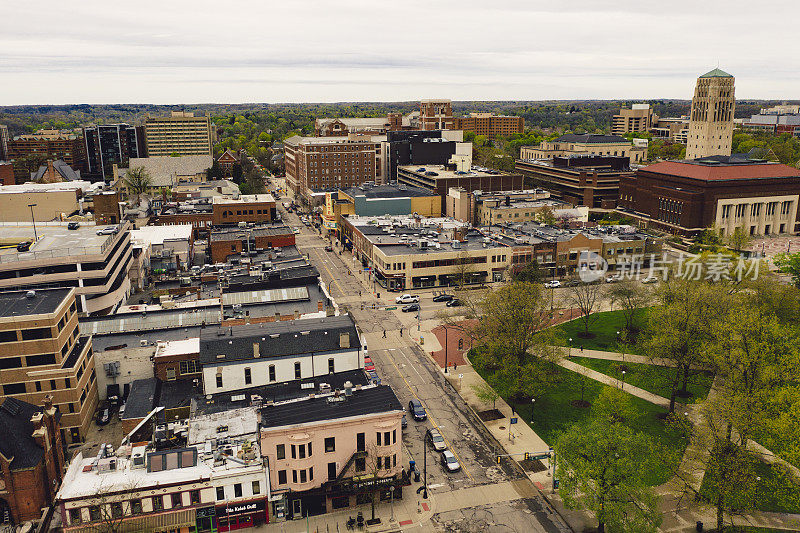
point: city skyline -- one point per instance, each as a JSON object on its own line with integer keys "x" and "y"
{"x": 355, "y": 51}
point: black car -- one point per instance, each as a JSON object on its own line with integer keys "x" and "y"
{"x": 417, "y": 410}
{"x": 24, "y": 246}
{"x": 455, "y": 302}
{"x": 73, "y": 225}
{"x": 103, "y": 416}
{"x": 442, "y": 297}
{"x": 410, "y": 307}
{"x": 329, "y": 248}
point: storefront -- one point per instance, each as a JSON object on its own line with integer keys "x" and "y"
{"x": 242, "y": 515}
{"x": 205, "y": 520}
{"x": 349, "y": 492}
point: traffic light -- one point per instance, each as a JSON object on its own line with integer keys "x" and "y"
{"x": 527, "y": 456}
{"x": 498, "y": 459}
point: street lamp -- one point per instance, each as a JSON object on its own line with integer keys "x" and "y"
{"x": 533, "y": 401}
{"x": 570, "y": 346}
{"x": 623, "y": 380}
{"x": 33, "y": 220}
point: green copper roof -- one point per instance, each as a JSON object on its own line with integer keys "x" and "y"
{"x": 716, "y": 73}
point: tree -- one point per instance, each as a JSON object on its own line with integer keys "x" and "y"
{"x": 630, "y": 296}
{"x": 679, "y": 329}
{"x": 137, "y": 181}
{"x": 215, "y": 172}
{"x": 463, "y": 269}
{"x": 546, "y": 216}
{"x": 602, "y": 467}
{"x": 485, "y": 393}
{"x": 513, "y": 320}
{"x": 789, "y": 264}
{"x": 586, "y": 297}
{"x": 531, "y": 272}
{"x": 30, "y": 163}
{"x": 738, "y": 239}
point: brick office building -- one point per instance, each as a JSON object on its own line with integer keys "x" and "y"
{"x": 42, "y": 354}
{"x": 51, "y": 144}
{"x": 254, "y": 208}
{"x": 225, "y": 242}
{"x": 490, "y": 125}
{"x": 592, "y": 181}
{"x": 436, "y": 115}
{"x": 31, "y": 458}
{"x": 686, "y": 197}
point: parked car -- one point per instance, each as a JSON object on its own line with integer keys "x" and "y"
{"x": 417, "y": 410}
{"x": 110, "y": 230}
{"x": 122, "y": 411}
{"x": 407, "y": 299}
{"x": 442, "y": 297}
{"x": 650, "y": 279}
{"x": 296, "y": 231}
{"x": 328, "y": 248}
{"x": 410, "y": 307}
{"x": 449, "y": 461}
{"x": 73, "y": 225}
{"x": 404, "y": 422}
{"x": 103, "y": 416}
{"x": 455, "y": 302}
{"x": 24, "y": 246}
{"x": 571, "y": 283}
{"x": 553, "y": 284}
{"x": 613, "y": 279}
{"x": 436, "y": 439}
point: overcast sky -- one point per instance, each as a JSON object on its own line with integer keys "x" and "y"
{"x": 179, "y": 51}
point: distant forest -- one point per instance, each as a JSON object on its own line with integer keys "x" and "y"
{"x": 254, "y": 127}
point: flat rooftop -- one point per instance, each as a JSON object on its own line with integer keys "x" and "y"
{"x": 44, "y": 301}
{"x": 370, "y": 400}
{"x": 378, "y": 192}
{"x": 158, "y": 234}
{"x": 441, "y": 172}
{"x": 262, "y": 230}
{"x": 244, "y": 198}
{"x": 54, "y": 240}
{"x": 720, "y": 168}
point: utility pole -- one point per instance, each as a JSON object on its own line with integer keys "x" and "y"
{"x": 33, "y": 220}
{"x": 445, "y": 349}
{"x": 424, "y": 469}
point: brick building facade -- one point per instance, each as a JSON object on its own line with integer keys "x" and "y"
{"x": 225, "y": 242}
{"x": 490, "y": 125}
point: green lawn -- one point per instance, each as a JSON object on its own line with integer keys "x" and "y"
{"x": 773, "y": 492}
{"x": 651, "y": 378}
{"x": 604, "y": 329}
{"x": 553, "y": 414}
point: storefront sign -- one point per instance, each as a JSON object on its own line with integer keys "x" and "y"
{"x": 239, "y": 508}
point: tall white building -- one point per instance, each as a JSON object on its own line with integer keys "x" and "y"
{"x": 711, "y": 118}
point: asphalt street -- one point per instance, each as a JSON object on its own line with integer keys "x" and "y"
{"x": 401, "y": 363}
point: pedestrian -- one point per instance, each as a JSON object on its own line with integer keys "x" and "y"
{"x": 581, "y": 349}
{"x": 384, "y": 334}
{"x": 401, "y": 332}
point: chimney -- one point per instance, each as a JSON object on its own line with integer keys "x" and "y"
{"x": 51, "y": 172}
{"x": 256, "y": 350}
{"x": 344, "y": 340}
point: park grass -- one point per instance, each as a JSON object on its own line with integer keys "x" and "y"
{"x": 553, "y": 413}
{"x": 773, "y": 493}
{"x": 603, "y": 329}
{"x": 652, "y": 378}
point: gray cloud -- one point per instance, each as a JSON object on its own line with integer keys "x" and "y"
{"x": 355, "y": 50}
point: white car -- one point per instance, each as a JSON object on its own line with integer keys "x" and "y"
{"x": 613, "y": 279}
{"x": 449, "y": 461}
{"x": 650, "y": 279}
{"x": 407, "y": 299}
{"x": 554, "y": 284}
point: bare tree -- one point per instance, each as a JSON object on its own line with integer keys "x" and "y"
{"x": 463, "y": 269}
{"x": 486, "y": 394}
{"x": 630, "y": 296}
{"x": 111, "y": 506}
{"x": 586, "y": 297}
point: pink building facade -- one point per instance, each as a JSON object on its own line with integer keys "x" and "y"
{"x": 333, "y": 451}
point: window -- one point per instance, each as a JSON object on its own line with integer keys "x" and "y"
{"x": 378, "y": 462}
{"x": 294, "y": 476}
{"x": 136, "y": 506}
{"x": 75, "y": 516}
{"x": 158, "y": 503}
{"x": 171, "y": 374}
{"x": 94, "y": 513}
{"x": 297, "y": 371}
{"x": 67, "y": 383}
{"x": 311, "y": 474}
{"x": 361, "y": 464}
{"x": 281, "y": 477}
{"x": 301, "y": 451}
{"x": 309, "y": 449}
{"x": 378, "y": 438}
{"x": 219, "y": 381}
{"x": 248, "y": 377}
{"x": 36, "y": 333}
{"x": 189, "y": 367}
{"x": 14, "y": 388}
{"x": 331, "y": 471}
{"x": 394, "y": 459}
{"x": 52, "y": 384}
{"x": 195, "y": 496}
{"x": 220, "y": 493}
{"x": 330, "y": 366}
{"x": 116, "y": 509}
{"x": 330, "y": 444}
{"x": 361, "y": 444}
{"x": 394, "y": 436}
{"x": 38, "y": 386}
{"x": 43, "y": 359}
{"x": 71, "y": 407}
{"x": 177, "y": 501}
{"x": 10, "y": 362}
{"x": 8, "y": 336}
{"x": 386, "y": 438}
{"x": 272, "y": 372}
{"x": 237, "y": 490}
{"x": 303, "y": 476}
{"x": 294, "y": 451}
{"x": 256, "y": 487}
{"x": 280, "y": 451}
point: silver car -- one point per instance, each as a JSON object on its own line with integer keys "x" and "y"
{"x": 450, "y": 462}
{"x": 436, "y": 440}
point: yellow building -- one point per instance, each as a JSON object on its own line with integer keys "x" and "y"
{"x": 711, "y": 117}
{"x": 585, "y": 144}
{"x": 181, "y": 133}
